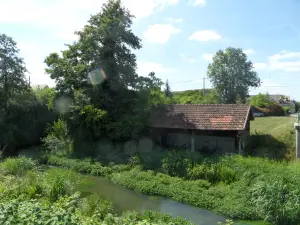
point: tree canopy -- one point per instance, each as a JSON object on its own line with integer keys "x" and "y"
{"x": 12, "y": 70}
{"x": 262, "y": 101}
{"x": 116, "y": 106}
{"x": 232, "y": 74}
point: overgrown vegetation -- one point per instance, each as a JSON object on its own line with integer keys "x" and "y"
{"x": 196, "y": 97}
{"x": 272, "y": 137}
{"x": 235, "y": 186}
{"x": 52, "y": 197}
{"x": 70, "y": 119}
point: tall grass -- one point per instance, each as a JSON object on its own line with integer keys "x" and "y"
{"x": 51, "y": 197}
{"x": 17, "y": 166}
{"x": 235, "y": 186}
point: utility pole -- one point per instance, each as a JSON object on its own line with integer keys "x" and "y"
{"x": 203, "y": 86}
{"x": 29, "y": 81}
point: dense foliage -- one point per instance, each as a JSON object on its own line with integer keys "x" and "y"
{"x": 232, "y": 74}
{"x": 117, "y": 105}
{"x": 17, "y": 100}
{"x": 196, "y": 97}
{"x": 235, "y": 186}
{"x": 51, "y": 197}
{"x": 261, "y": 101}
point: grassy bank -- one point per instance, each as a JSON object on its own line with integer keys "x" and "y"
{"x": 274, "y": 126}
{"x": 272, "y": 137}
{"x": 28, "y": 196}
{"x": 235, "y": 187}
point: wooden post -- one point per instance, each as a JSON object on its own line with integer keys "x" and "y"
{"x": 193, "y": 141}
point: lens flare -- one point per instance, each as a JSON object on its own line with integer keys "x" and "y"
{"x": 97, "y": 76}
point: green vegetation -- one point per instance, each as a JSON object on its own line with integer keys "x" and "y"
{"x": 70, "y": 119}
{"x": 232, "y": 74}
{"x": 264, "y": 104}
{"x": 196, "y": 97}
{"x": 236, "y": 187}
{"x": 274, "y": 126}
{"x": 51, "y": 197}
{"x": 272, "y": 137}
{"x": 261, "y": 101}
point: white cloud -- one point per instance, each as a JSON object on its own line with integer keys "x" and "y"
{"x": 249, "y": 51}
{"x": 205, "y": 35}
{"x": 160, "y": 33}
{"x": 286, "y": 61}
{"x": 260, "y": 66}
{"x": 56, "y": 11}
{"x": 197, "y": 2}
{"x": 63, "y": 17}
{"x": 284, "y": 55}
{"x": 207, "y": 56}
{"x": 144, "y": 68}
{"x": 175, "y": 20}
{"x": 189, "y": 59}
{"x": 272, "y": 87}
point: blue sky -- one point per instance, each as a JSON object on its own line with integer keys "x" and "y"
{"x": 179, "y": 36}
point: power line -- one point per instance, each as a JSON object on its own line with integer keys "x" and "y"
{"x": 278, "y": 86}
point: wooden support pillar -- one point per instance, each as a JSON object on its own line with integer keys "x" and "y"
{"x": 193, "y": 141}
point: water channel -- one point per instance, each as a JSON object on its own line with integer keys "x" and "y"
{"x": 128, "y": 200}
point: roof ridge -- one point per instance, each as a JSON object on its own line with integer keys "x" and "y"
{"x": 208, "y": 104}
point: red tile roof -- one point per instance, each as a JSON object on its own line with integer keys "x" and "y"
{"x": 201, "y": 117}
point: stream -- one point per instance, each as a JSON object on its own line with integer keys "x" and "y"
{"x": 124, "y": 199}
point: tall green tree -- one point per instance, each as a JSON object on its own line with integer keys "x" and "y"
{"x": 23, "y": 117}
{"x": 106, "y": 42}
{"x": 117, "y": 106}
{"x": 232, "y": 74}
{"x": 167, "y": 90}
{"x": 12, "y": 70}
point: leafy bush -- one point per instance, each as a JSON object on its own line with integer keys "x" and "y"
{"x": 17, "y": 166}
{"x": 84, "y": 165}
{"x": 58, "y": 141}
{"x": 176, "y": 164}
{"x": 261, "y": 101}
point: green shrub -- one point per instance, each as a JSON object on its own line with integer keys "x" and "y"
{"x": 83, "y": 166}
{"x": 58, "y": 141}
{"x": 214, "y": 173}
{"x": 36, "y": 153}
{"x": 92, "y": 203}
{"x": 176, "y": 164}
{"x": 17, "y": 166}
{"x": 60, "y": 182}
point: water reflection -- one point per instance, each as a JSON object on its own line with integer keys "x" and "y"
{"x": 127, "y": 200}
